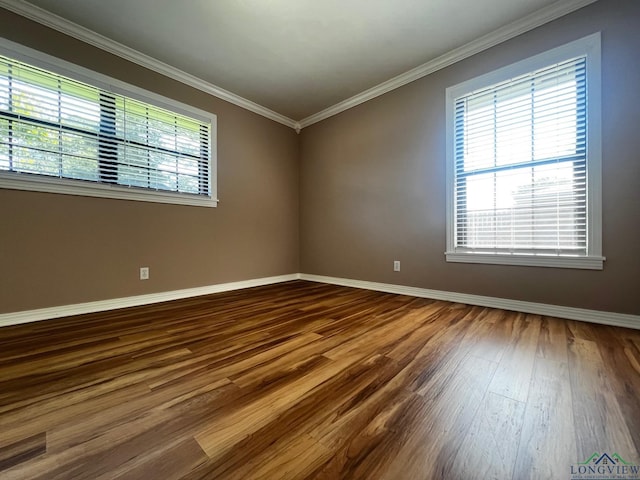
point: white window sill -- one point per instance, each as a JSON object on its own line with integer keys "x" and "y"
{"x": 533, "y": 260}
{"x": 17, "y": 181}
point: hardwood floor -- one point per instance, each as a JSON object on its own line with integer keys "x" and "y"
{"x": 310, "y": 381}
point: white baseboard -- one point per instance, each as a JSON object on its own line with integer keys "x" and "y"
{"x": 594, "y": 316}
{"x": 27, "y": 316}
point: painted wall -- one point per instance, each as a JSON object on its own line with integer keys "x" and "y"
{"x": 61, "y": 249}
{"x": 345, "y": 199}
{"x": 373, "y": 179}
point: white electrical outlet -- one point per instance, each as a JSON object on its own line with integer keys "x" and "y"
{"x": 396, "y": 265}
{"x": 144, "y": 273}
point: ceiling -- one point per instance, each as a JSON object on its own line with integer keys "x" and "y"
{"x": 294, "y": 57}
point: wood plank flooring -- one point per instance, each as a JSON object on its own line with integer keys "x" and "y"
{"x": 309, "y": 381}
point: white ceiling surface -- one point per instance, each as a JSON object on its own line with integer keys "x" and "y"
{"x": 295, "y": 57}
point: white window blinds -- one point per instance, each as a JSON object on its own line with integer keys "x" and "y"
{"x": 520, "y": 172}
{"x": 54, "y": 126}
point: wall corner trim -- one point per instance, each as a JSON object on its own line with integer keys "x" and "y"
{"x": 27, "y": 316}
{"x": 51, "y": 20}
{"x": 572, "y": 313}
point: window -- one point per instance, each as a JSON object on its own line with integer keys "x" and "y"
{"x": 81, "y": 133}
{"x": 523, "y": 162}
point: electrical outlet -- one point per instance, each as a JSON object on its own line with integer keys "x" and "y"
{"x": 144, "y": 273}
{"x": 396, "y": 265}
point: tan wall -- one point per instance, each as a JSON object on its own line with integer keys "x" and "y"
{"x": 60, "y": 249}
{"x": 373, "y": 179}
{"x": 371, "y": 187}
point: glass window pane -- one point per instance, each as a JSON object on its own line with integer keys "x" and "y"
{"x": 79, "y": 167}
{"x": 74, "y": 130}
{"x": 79, "y": 113}
{"x": 34, "y": 102}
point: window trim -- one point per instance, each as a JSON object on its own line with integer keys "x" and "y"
{"x": 588, "y": 46}
{"x": 37, "y": 183}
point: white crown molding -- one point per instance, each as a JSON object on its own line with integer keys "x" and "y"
{"x": 48, "y": 19}
{"x": 585, "y": 315}
{"x": 536, "y": 19}
{"x": 28, "y": 316}
{"x": 545, "y": 15}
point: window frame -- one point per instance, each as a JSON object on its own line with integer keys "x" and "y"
{"x": 67, "y": 186}
{"x": 589, "y": 47}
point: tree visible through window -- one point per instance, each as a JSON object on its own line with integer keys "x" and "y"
{"x": 54, "y": 126}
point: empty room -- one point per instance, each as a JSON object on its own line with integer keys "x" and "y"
{"x": 277, "y": 239}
